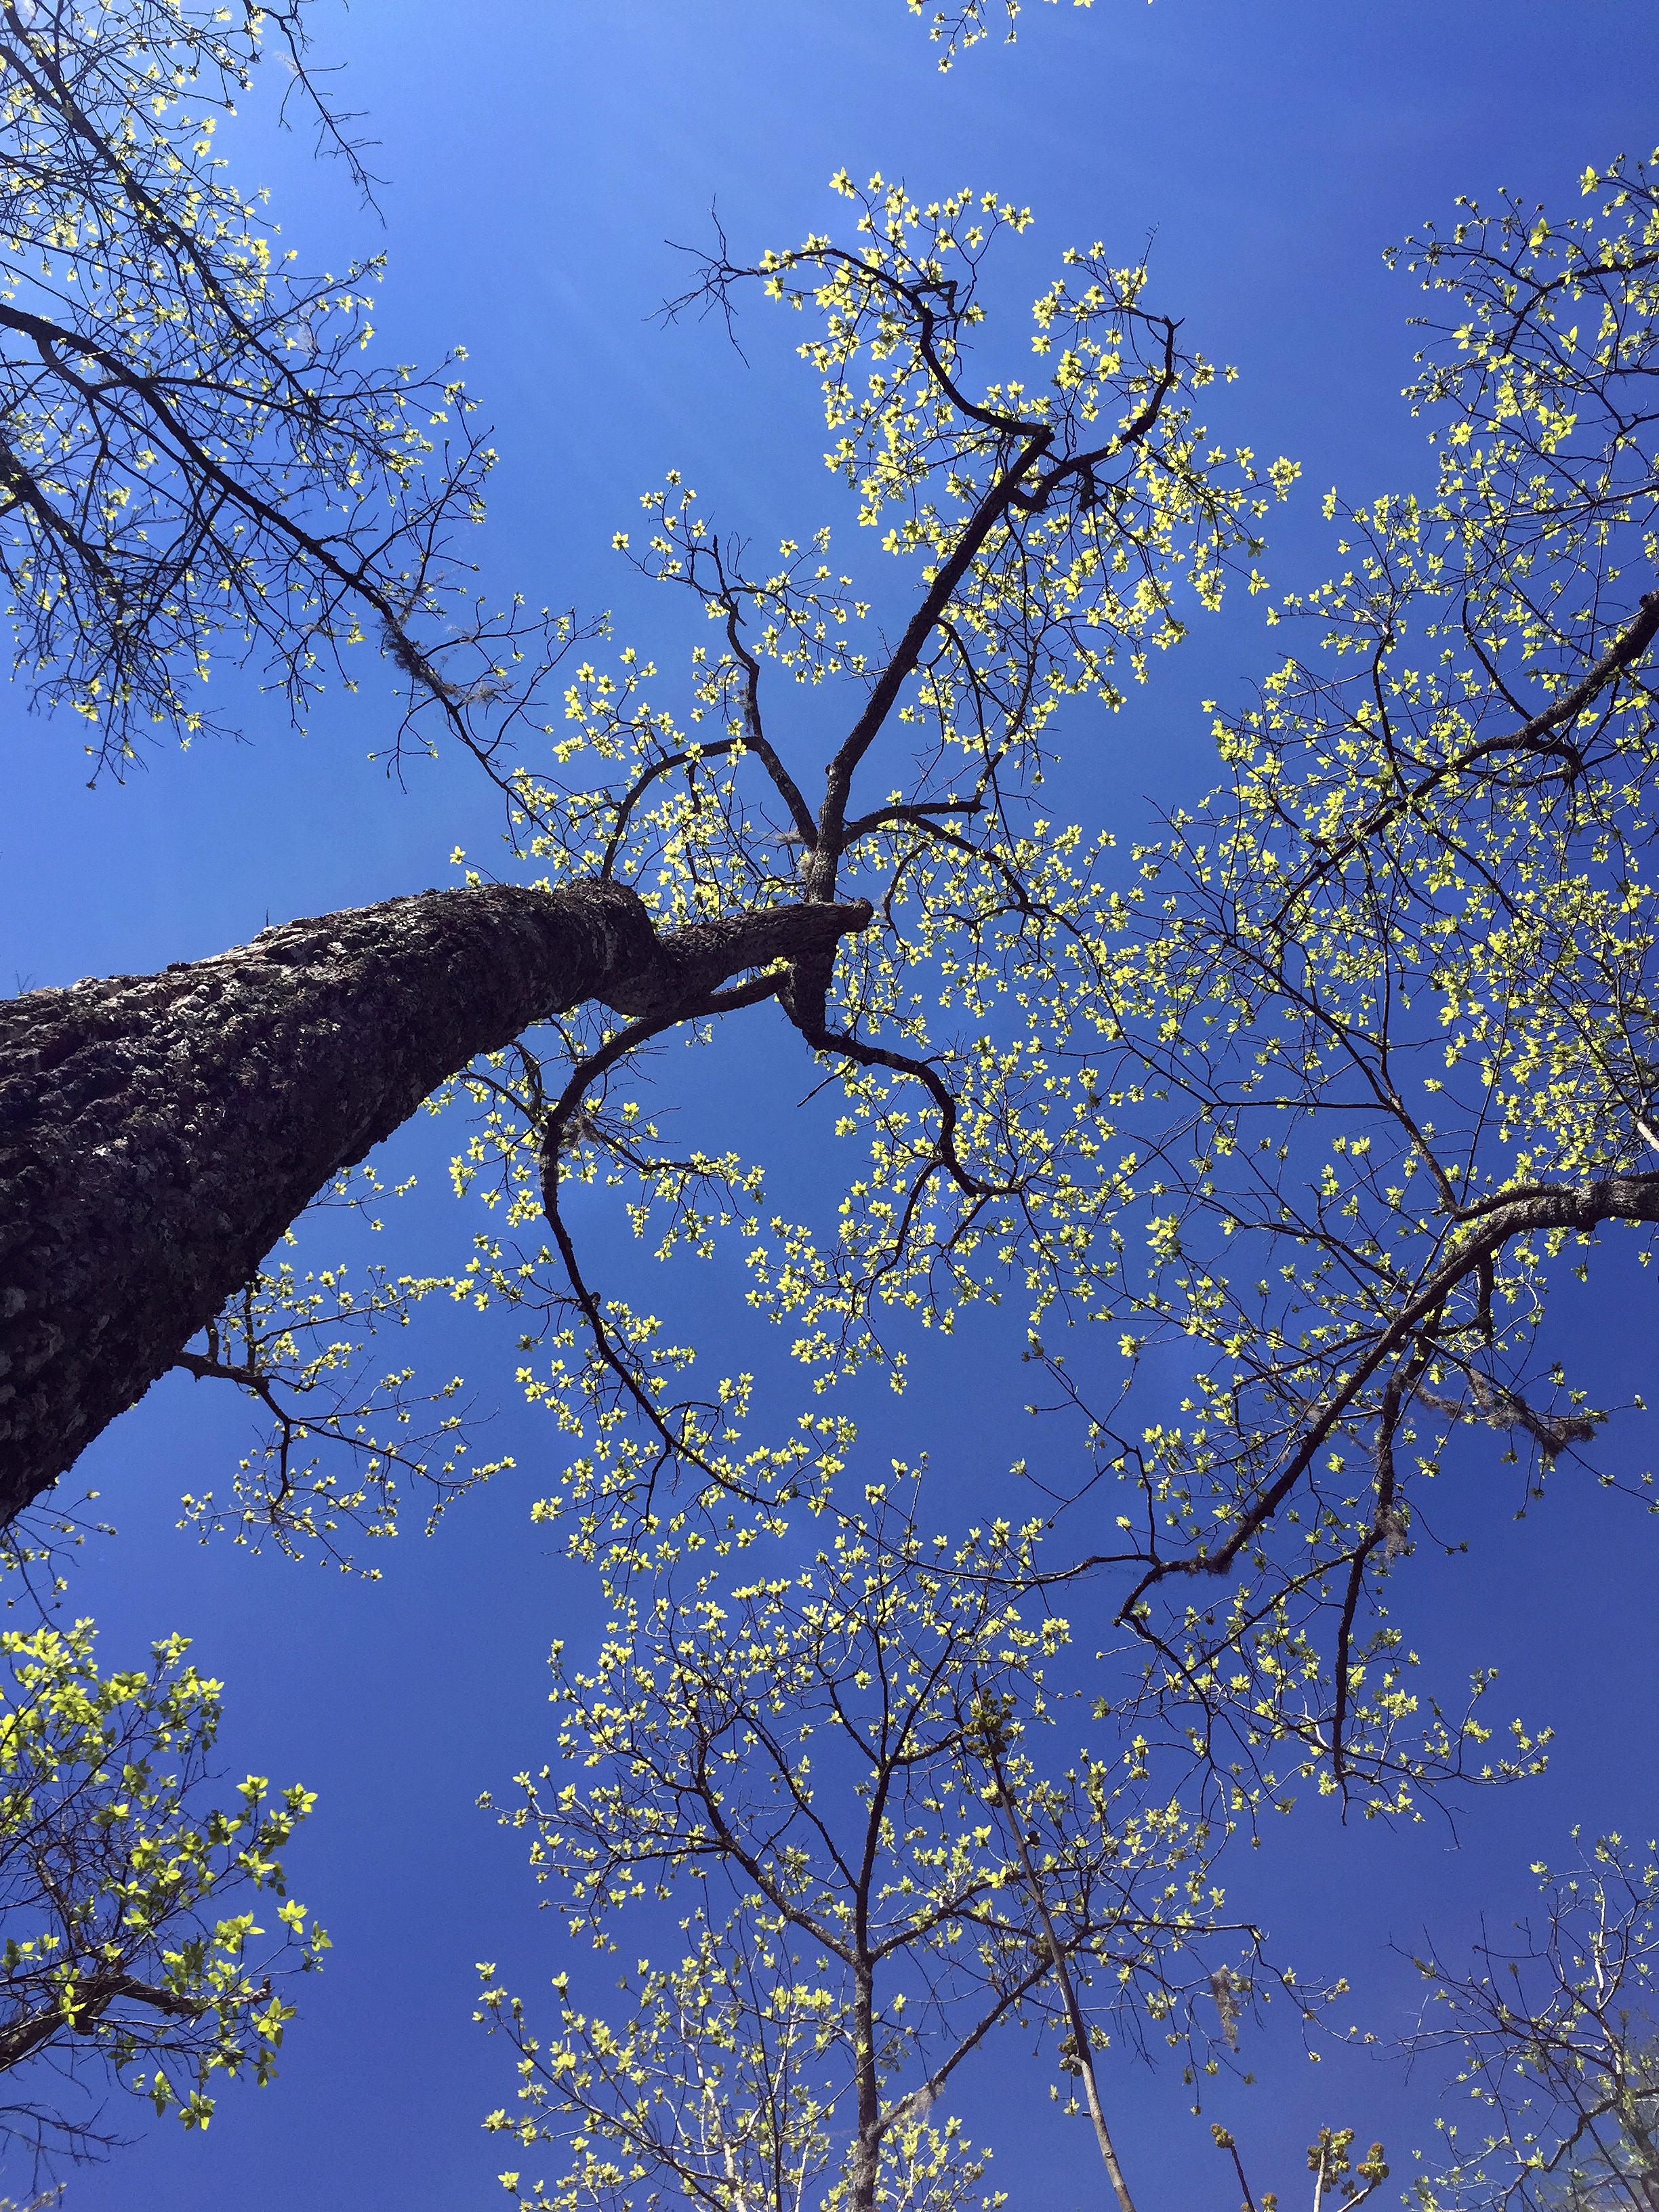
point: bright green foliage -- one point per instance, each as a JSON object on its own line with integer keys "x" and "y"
{"x": 128, "y": 1901}
{"x": 1331, "y": 2162}
{"x": 713, "y": 2092}
{"x": 858, "y": 1770}
{"x": 1553, "y": 2031}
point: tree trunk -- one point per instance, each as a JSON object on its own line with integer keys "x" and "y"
{"x": 159, "y": 1133}
{"x": 864, "y": 2169}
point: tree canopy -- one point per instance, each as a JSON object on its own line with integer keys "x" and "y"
{"x": 114, "y": 1872}
{"x": 1272, "y": 1131}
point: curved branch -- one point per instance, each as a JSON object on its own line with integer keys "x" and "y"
{"x": 1535, "y": 736}
{"x": 1584, "y": 1206}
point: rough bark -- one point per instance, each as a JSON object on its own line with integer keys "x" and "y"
{"x": 159, "y": 1133}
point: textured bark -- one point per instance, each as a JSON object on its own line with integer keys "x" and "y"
{"x": 159, "y": 1133}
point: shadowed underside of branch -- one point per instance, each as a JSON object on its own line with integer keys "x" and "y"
{"x": 159, "y": 1133}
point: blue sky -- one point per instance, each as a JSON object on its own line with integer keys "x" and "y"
{"x": 537, "y": 157}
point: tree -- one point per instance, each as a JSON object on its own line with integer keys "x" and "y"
{"x": 128, "y": 1942}
{"x": 158, "y": 1133}
{"x": 1095, "y": 498}
{"x": 846, "y": 1767}
{"x": 1395, "y": 982}
{"x": 964, "y": 23}
{"x": 1330, "y": 2162}
{"x": 1423, "y": 880}
{"x": 196, "y": 468}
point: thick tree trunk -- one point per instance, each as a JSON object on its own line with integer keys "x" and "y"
{"x": 159, "y": 1133}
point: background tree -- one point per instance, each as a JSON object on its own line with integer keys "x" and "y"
{"x": 128, "y": 1899}
{"x": 711, "y": 2093}
{"x": 846, "y": 1767}
{"x": 1551, "y": 2026}
{"x": 1396, "y": 982}
{"x": 197, "y": 465}
{"x": 964, "y": 23}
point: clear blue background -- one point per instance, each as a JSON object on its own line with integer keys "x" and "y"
{"x": 536, "y": 158}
